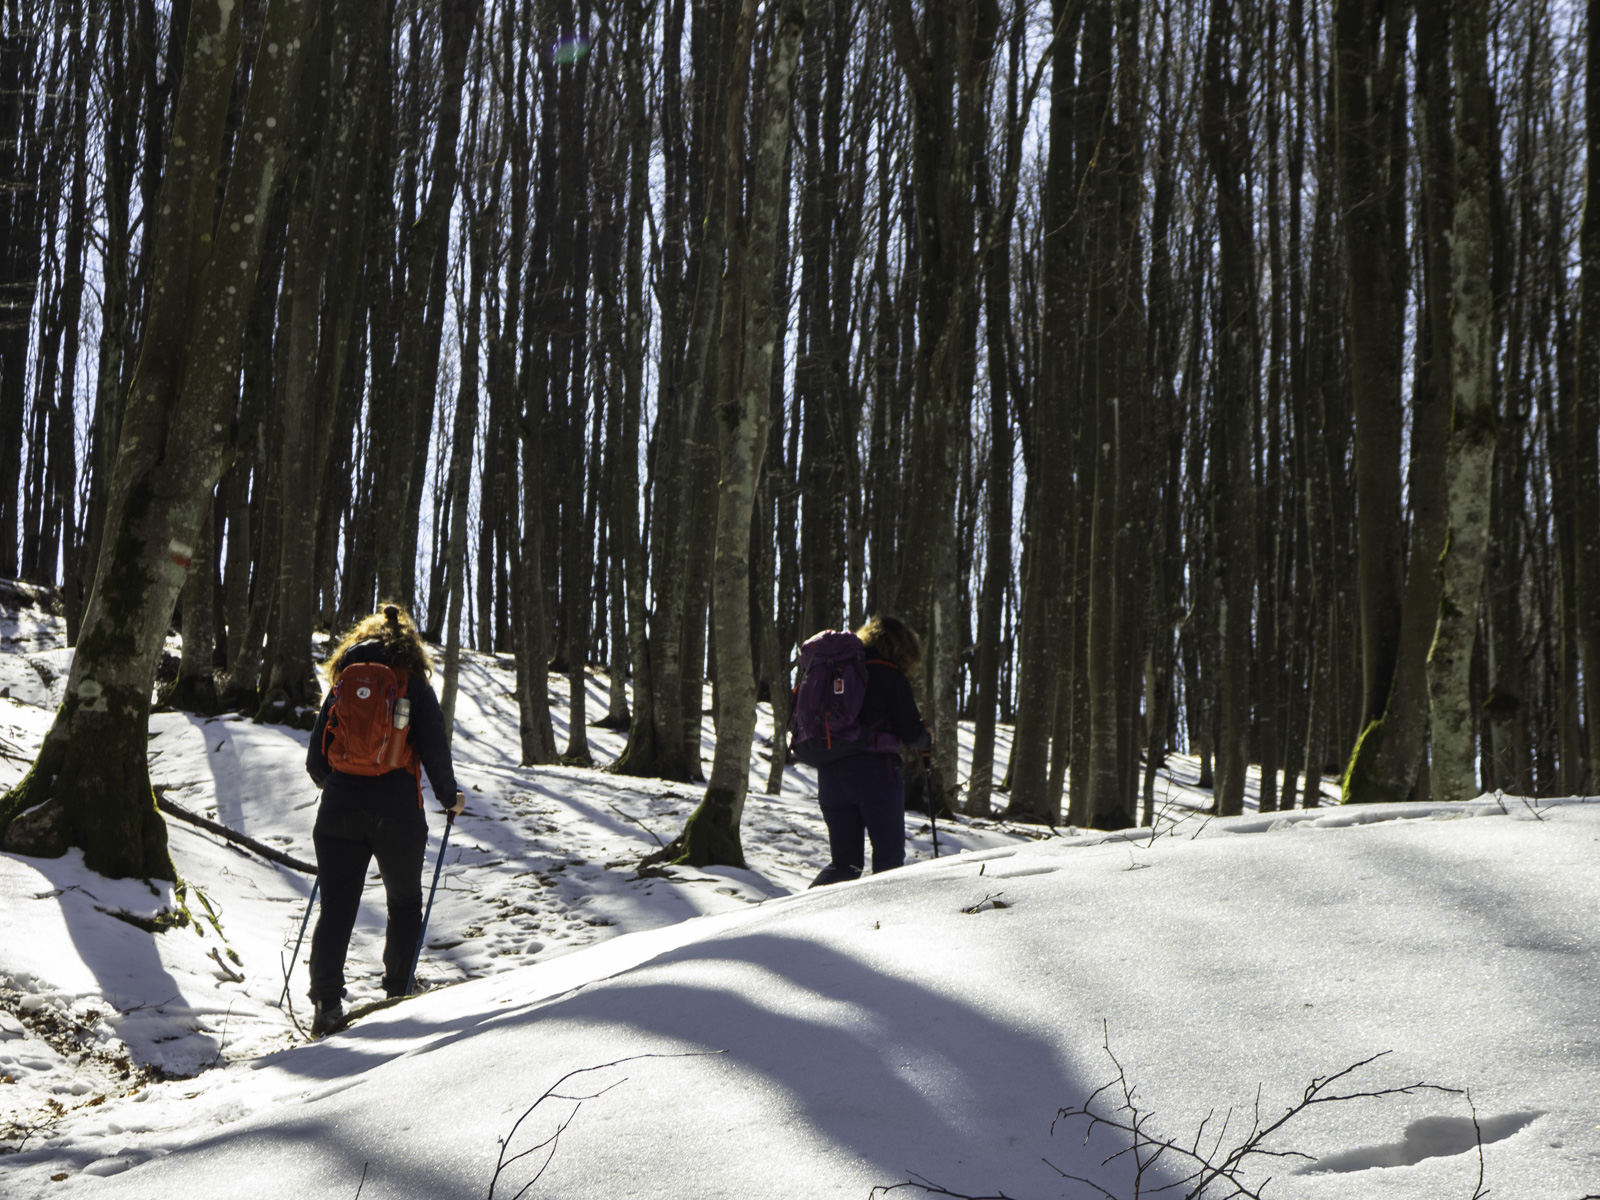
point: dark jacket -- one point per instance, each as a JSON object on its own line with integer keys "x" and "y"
{"x": 889, "y": 705}
{"x": 396, "y": 790}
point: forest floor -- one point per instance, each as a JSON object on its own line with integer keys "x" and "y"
{"x": 930, "y": 1022}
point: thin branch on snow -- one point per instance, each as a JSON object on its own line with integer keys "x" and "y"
{"x": 992, "y": 899}
{"x": 639, "y": 823}
{"x": 551, "y": 1143}
{"x": 932, "y": 1189}
{"x": 1200, "y": 1164}
{"x": 1478, "y": 1192}
{"x": 1203, "y": 1162}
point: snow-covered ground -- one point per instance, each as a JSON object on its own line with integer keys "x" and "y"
{"x": 930, "y": 1023}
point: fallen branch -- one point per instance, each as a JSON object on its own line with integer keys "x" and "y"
{"x": 1200, "y": 1166}
{"x": 1478, "y": 1192}
{"x": 1204, "y": 1165}
{"x": 637, "y": 822}
{"x": 993, "y": 900}
{"x": 233, "y": 976}
{"x": 551, "y": 1143}
{"x": 923, "y": 1184}
{"x": 222, "y": 831}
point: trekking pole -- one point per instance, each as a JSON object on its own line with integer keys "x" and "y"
{"x": 422, "y": 934}
{"x": 933, "y": 804}
{"x": 304, "y": 921}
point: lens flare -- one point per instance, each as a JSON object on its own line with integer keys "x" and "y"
{"x": 569, "y": 50}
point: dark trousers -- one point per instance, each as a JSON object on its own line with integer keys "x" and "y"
{"x": 862, "y": 794}
{"x": 347, "y": 840}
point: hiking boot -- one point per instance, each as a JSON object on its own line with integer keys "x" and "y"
{"x": 326, "y": 1016}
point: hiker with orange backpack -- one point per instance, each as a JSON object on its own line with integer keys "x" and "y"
{"x": 853, "y": 710}
{"x": 379, "y": 729}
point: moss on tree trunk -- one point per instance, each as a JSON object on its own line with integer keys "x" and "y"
{"x": 95, "y": 751}
{"x": 710, "y": 837}
{"x": 1366, "y": 779}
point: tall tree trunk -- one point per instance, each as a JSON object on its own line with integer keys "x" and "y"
{"x": 1225, "y": 127}
{"x": 626, "y": 540}
{"x": 21, "y": 143}
{"x": 572, "y": 276}
{"x": 402, "y": 442}
{"x": 90, "y": 785}
{"x": 1369, "y": 47}
{"x": 1047, "y": 617}
{"x": 1472, "y": 419}
{"x": 1586, "y": 414}
{"x": 63, "y": 450}
{"x": 1003, "y": 385}
{"x": 711, "y": 835}
{"x": 463, "y": 435}
{"x": 946, "y": 62}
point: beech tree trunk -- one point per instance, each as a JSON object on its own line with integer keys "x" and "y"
{"x": 90, "y": 786}
{"x": 1472, "y": 420}
{"x": 1224, "y": 125}
{"x": 463, "y": 433}
{"x": 401, "y": 443}
{"x": 1368, "y": 46}
{"x": 946, "y": 62}
{"x": 1586, "y": 416}
{"x": 1046, "y": 621}
{"x": 711, "y": 835}
{"x": 1391, "y": 755}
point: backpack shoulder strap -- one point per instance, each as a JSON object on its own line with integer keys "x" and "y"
{"x": 882, "y": 662}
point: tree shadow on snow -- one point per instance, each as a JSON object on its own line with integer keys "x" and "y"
{"x": 900, "y": 1076}
{"x": 152, "y": 1011}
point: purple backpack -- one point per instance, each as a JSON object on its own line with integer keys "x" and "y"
{"x": 824, "y": 720}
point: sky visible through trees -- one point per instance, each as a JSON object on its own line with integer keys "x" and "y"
{"x": 1216, "y": 375}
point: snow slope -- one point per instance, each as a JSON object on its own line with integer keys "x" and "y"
{"x": 929, "y": 1021}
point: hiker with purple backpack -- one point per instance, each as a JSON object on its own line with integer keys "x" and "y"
{"x": 853, "y": 710}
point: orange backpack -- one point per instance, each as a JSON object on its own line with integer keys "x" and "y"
{"x": 368, "y": 722}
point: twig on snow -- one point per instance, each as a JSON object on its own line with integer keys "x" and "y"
{"x": 924, "y": 1184}
{"x": 223, "y": 1043}
{"x": 1479, "y": 1191}
{"x": 993, "y": 900}
{"x": 233, "y": 976}
{"x": 1202, "y": 1161}
{"x": 551, "y": 1093}
{"x": 637, "y": 822}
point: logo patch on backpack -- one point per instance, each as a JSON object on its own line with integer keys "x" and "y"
{"x": 360, "y": 737}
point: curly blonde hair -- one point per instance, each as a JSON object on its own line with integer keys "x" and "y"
{"x": 398, "y": 633}
{"x": 893, "y": 640}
